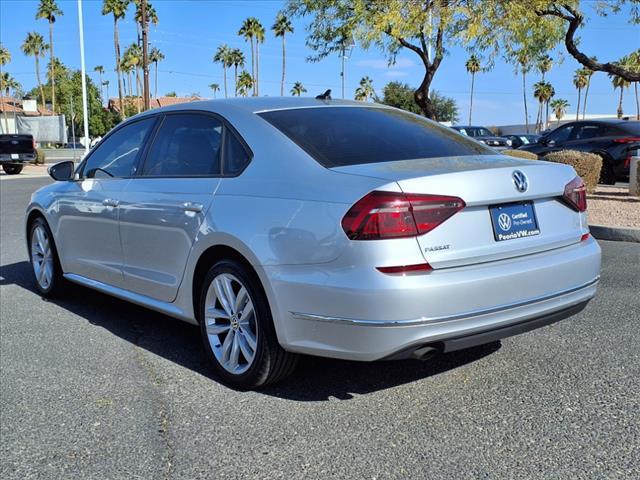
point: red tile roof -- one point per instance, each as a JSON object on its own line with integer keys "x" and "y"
{"x": 114, "y": 103}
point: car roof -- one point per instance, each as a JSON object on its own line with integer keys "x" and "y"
{"x": 264, "y": 104}
{"x": 609, "y": 121}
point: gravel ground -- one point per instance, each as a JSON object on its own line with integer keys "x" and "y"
{"x": 613, "y": 207}
{"x": 95, "y": 388}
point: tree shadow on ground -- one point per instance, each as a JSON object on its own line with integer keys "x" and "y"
{"x": 315, "y": 379}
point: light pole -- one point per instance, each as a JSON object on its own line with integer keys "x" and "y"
{"x": 145, "y": 58}
{"x": 347, "y": 45}
{"x": 84, "y": 81}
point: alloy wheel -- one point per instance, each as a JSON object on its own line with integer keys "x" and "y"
{"x": 230, "y": 322}
{"x": 42, "y": 257}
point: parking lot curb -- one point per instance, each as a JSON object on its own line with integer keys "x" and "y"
{"x": 618, "y": 234}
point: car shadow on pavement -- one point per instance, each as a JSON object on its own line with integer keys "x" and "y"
{"x": 315, "y": 379}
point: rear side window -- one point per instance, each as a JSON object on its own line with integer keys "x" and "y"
{"x": 185, "y": 145}
{"x": 339, "y": 136}
{"x": 116, "y": 155}
{"x": 585, "y": 132}
{"x": 236, "y": 157}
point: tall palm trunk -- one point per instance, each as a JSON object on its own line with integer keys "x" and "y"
{"x": 524, "y": 97}
{"x": 578, "y": 109}
{"x": 53, "y": 77}
{"x": 586, "y": 94}
{"x": 284, "y": 52}
{"x": 138, "y": 89}
{"x": 130, "y": 83}
{"x": 155, "y": 81}
{"x": 635, "y": 87}
{"x": 116, "y": 42}
{"x": 235, "y": 80}
{"x": 546, "y": 118}
{"x": 38, "y": 79}
{"x": 539, "y": 117}
{"x": 224, "y": 72}
{"x": 473, "y": 77}
{"x": 620, "y": 111}
{"x": 6, "y": 119}
{"x": 253, "y": 67}
{"x": 257, "y": 68}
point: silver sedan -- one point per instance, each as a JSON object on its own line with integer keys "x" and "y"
{"x": 286, "y": 226}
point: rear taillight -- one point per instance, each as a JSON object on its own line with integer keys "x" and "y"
{"x": 33, "y": 141}
{"x": 380, "y": 215}
{"x": 406, "y": 269}
{"x": 575, "y": 194}
{"x": 627, "y": 140}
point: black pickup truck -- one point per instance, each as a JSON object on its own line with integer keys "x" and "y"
{"x": 15, "y": 151}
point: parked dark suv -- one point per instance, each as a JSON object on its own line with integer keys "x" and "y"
{"x": 616, "y": 141}
{"x": 15, "y": 151}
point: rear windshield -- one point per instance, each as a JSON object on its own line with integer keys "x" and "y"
{"x": 340, "y": 136}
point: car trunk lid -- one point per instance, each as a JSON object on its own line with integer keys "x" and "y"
{"x": 486, "y": 183}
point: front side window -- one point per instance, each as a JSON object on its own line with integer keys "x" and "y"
{"x": 185, "y": 145}
{"x": 117, "y": 155}
{"x": 560, "y": 134}
{"x": 340, "y": 136}
{"x": 586, "y": 132}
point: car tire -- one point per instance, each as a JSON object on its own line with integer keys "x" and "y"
{"x": 12, "y": 169}
{"x": 237, "y": 328}
{"x": 44, "y": 260}
{"x": 607, "y": 175}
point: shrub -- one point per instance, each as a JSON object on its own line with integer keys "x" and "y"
{"x": 521, "y": 154}
{"x": 40, "y": 157}
{"x": 587, "y": 165}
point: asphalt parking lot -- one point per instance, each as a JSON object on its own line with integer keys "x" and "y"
{"x": 92, "y": 387}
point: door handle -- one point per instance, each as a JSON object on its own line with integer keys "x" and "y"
{"x": 110, "y": 202}
{"x": 192, "y": 207}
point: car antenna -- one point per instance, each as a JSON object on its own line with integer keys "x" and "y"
{"x": 324, "y": 96}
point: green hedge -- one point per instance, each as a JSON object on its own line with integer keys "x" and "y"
{"x": 587, "y": 165}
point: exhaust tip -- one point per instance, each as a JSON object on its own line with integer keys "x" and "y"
{"x": 426, "y": 352}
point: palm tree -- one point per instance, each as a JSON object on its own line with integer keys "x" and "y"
{"x": 118, "y": 8}
{"x": 543, "y": 92}
{"x": 524, "y": 65}
{"x": 253, "y": 32}
{"x": 35, "y": 46}
{"x": 215, "y": 87}
{"x": 106, "y": 85}
{"x": 5, "y": 57}
{"x": 545, "y": 62}
{"x": 259, "y": 36}
{"x": 155, "y": 56}
{"x": 100, "y": 70}
{"x": 8, "y": 83}
{"x": 223, "y": 56}
{"x": 298, "y": 89}
{"x": 589, "y": 73}
{"x": 133, "y": 59}
{"x": 48, "y": 9}
{"x": 473, "y": 67}
{"x": 580, "y": 80}
{"x": 237, "y": 59}
{"x": 245, "y": 83}
{"x": 152, "y": 15}
{"x": 559, "y": 106}
{"x": 280, "y": 28}
{"x": 621, "y": 83}
{"x": 365, "y": 90}
{"x": 633, "y": 63}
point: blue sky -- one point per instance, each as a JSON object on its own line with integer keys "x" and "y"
{"x": 189, "y": 32}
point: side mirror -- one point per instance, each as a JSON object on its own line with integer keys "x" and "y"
{"x": 63, "y": 171}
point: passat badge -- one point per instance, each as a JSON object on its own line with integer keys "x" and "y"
{"x": 520, "y": 181}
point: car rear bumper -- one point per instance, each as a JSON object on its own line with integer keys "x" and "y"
{"x": 378, "y": 316}
{"x": 21, "y": 157}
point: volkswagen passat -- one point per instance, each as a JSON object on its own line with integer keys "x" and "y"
{"x": 284, "y": 226}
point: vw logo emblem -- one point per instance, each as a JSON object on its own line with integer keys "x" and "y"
{"x": 504, "y": 221}
{"x": 520, "y": 181}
